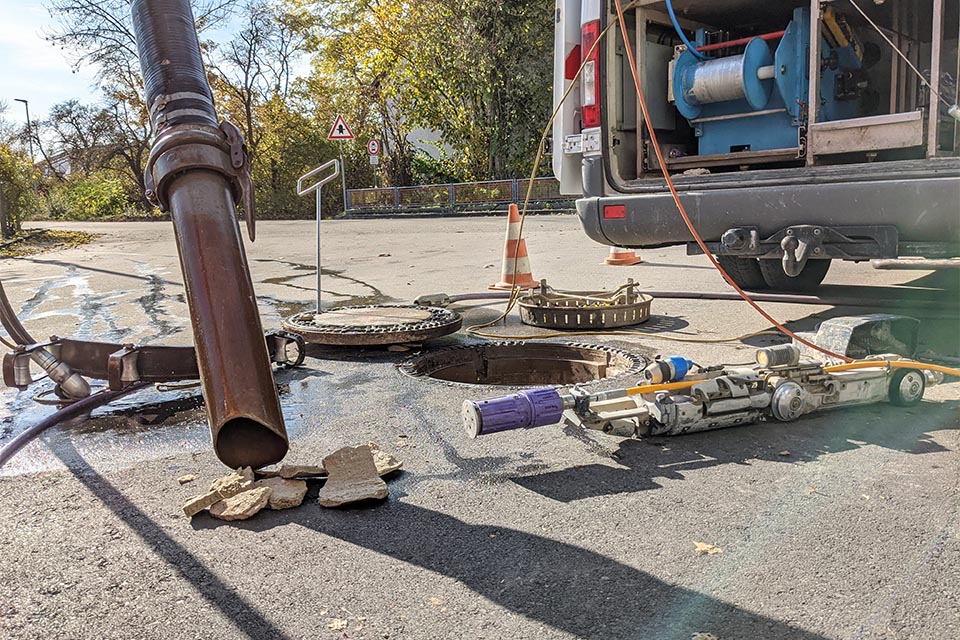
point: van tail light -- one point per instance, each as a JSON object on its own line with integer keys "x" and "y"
{"x": 589, "y": 82}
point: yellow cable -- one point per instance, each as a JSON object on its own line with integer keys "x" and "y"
{"x": 665, "y": 386}
{"x": 892, "y": 364}
{"x": 862, "y": 364}
{"x": 644, "y": 334}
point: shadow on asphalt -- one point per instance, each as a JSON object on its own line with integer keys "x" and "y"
{"x": 246, "y": 617}
{"x": 564, "y": 586}
{"x": 645, "y": 462}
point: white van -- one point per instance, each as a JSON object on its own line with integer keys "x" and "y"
{"x": 778, "y": 185}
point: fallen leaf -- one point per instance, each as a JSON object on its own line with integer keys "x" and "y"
{"x": 186, "y": 478}
{"x": 783, "y": 454}
{"x": 337, "y": 624}
{"x": 704, "y": 548}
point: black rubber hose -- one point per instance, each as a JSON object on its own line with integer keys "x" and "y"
{"x": 10, "y": 321}
{"x": 171, "y": 63}
{"x": 78, "y": 408}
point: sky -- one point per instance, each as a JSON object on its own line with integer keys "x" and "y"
{"x": 33, "y": 69}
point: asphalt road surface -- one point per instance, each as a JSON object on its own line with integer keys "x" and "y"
{"x": 841, "y": 525}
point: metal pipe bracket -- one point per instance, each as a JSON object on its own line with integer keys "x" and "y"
{"x": 187, "y": 147}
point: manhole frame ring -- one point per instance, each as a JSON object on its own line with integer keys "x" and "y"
{"x": 638, "y": 362}
{"x": 441, "y": 323}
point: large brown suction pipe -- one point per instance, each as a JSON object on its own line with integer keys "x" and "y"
{"x": 197, "y": 170}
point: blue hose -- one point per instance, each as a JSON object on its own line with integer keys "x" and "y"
{"x": 692, "y": 48}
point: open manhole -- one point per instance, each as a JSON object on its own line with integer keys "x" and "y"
{"x": 520, "y": 364}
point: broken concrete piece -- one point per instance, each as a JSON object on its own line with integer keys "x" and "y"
{"x": 196, "y": 504}
{"x": 243, "y": 505}
{"x": 184, "y": 479}
{"x": 284, "y": 493}
{"x": 220, "y": 489}
{"x": 230, "y": 483}
{"x": 289, "y": 471}
{"x": 384, "y": 462}
{"x": 352, "y": 477}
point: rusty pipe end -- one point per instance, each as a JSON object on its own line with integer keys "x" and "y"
{"x": 247, "y": 442}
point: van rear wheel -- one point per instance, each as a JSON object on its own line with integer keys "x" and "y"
{"x": 744, "y": 271}
{"x": 808, "y": 279}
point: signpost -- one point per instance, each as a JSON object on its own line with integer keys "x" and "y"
{"x": 340, "y": 132}
{"x": 373, "y": 148}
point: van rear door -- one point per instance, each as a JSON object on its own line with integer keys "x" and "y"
{"x": 566, "y": 127}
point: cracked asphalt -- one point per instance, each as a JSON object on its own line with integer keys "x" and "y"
{"x": 840, "y": 525}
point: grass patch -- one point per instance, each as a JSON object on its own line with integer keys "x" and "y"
{"x": 36, "y": 241}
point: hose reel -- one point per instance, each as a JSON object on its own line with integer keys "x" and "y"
{"x": 748, "y": 76}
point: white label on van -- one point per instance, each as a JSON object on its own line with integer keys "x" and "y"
{"x": 591, "y": 143}
{"x": 573, "y": 144}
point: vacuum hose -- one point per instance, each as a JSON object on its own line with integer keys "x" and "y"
{"x": 197, "y": 170}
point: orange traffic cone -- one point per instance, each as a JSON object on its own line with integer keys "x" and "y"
{"x": 622, "y": 257}
{"x": 516, "y": 263}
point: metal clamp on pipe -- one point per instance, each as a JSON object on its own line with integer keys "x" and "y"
{"x": 197, "y": 170}
{"x": 191, "y": 147}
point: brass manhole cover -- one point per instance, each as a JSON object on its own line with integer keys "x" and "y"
{"x": 374, "y": 325}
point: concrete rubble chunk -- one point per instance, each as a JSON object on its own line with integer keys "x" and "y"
{"x": 234, "y": 483}
{"x": 184, "y": 479}
{"x": 384, "y": 461}
{"x": 243, "y": 505}
{"x": 196, "y": 504}
{"x": 352, "y": 477}
{"x": 284, "y": 494}
{"x": 289, "y": 471}
{"x": 220, "y": 489}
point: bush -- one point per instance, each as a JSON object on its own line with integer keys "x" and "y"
{"x": 16, "y": 188}
{"x": 94, "y": 197}
{"x": 443, "y": 170}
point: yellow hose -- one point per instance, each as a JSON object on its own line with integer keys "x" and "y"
{"x": 666, "y": 386}
{"x": 892, "y": 364}
{"x": 615, "y": 332}
{"x": 849, "y": 366}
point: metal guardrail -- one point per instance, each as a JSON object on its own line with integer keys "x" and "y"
{"x": 462, "y": 198}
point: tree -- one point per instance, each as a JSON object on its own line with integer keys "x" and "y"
{"x": 98, "y": 34}
{"x": 17, "y": 177}
{"x": 477, "y": 71}
{"x": 255, "y": 66}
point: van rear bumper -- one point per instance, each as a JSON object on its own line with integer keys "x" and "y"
{"x": 924, "y": 205}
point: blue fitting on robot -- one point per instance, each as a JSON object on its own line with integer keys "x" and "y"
{"x": 681, "y": 366}
{"x": 524, "y": 410}
{"x": 669, "y": 369}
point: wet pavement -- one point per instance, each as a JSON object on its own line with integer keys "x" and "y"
{"x": 842, "y": 525}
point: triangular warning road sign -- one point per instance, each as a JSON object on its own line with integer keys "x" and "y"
{"x": 340, "y": 130}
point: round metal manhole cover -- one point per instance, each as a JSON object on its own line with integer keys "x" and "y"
{"x": 374, "y": 325}
{"x": 523, "y": 364}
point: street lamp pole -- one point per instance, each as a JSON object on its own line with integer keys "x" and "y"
{"x": 26, "y": 105}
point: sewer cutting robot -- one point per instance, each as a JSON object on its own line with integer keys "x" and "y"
{"x": 677, "y": 397}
